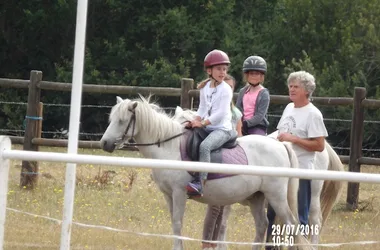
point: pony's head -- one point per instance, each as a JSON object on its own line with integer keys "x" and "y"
{"x": 137, "y": 119}
{"x": 120, "y": 125}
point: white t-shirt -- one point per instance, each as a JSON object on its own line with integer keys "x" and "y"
{"x": 214, "y": 105}
{"x": 304, "y": 122}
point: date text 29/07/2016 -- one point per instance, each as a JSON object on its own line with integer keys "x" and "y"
{"x": 304, "y": 230}
{"x": 284, "y": 234}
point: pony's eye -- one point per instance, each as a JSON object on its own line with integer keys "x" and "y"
{"x": 120, "y": 121}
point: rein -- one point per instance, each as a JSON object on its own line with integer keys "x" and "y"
{"x": 132, "y": 144}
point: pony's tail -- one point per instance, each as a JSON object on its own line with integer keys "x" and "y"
{"x": 293, "y": 182}
{"x": 331, "y": 189}
{"x": 293, "y": 198}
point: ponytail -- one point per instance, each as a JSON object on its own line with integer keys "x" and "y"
{"x": 203, "y": 83}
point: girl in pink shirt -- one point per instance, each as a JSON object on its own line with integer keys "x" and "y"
{"x": 253, "y": 100}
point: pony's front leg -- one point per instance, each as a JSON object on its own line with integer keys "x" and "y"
{"x": 177, "y": 203}
{"x": 257, "y": 206}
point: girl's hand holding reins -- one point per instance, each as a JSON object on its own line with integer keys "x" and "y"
{"x": 196, "y": 124}
{"x": 188, "y": 124}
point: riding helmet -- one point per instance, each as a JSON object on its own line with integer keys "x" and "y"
{"x": 216, "y": 57}
{"x": 256, "y": 63}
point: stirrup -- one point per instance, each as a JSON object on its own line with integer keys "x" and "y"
{"x": 194, "y": 195}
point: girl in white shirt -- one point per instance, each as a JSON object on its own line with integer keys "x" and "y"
{"x": 214, "y": 217}
{"x": 214, "y": 112}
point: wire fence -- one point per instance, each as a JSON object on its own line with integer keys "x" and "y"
{"x": 162, "y": 236}
{"x": 369, "y": 148}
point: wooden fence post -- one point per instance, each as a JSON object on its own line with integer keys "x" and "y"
{"x": 29, "y": 170}
{"x": 356, "y": 144}
{"x": 39, "y": 124}
{"x": 186, "y": 85}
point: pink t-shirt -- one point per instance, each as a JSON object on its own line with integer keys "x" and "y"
{"x": 249, "y": 103}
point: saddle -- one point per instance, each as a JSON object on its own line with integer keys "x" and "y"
{"x": 195, "y": 139}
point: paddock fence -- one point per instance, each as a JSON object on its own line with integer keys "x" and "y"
{"x": 6, "y": 153}
{"x": 34, "y": 116}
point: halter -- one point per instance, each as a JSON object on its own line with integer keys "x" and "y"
{"x": 132, "y": 122}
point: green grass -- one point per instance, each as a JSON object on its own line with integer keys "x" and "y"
{"x": 127, "y": 199}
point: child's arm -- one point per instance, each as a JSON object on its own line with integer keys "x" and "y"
{"x": 238, "y": 128}
{"x": 202, "y": 108}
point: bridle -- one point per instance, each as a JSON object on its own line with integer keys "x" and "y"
{"x": 132, "y": 123}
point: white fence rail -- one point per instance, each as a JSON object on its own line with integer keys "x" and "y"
{"x": 191, "y": 166}
{"x": 6, "y": 153}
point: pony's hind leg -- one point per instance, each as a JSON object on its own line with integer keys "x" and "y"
{"x": 257, "y": 206}
{"x": 315, "y": 216}
{"x": 282, "y": 210}
{"x": 177, "y": 203}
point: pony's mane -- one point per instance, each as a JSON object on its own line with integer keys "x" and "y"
{"x": 150, "y": 118}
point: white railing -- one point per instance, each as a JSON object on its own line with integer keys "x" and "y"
{"x": 6, "y": 153}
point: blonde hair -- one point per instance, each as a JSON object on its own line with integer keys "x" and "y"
{"x": 245, "y": 78}
{"x": 202, "y": 83}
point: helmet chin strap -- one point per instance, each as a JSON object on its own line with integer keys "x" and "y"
{"x": 216, "y": 83}
{"x": 254, "y": 85}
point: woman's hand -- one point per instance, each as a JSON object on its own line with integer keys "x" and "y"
{"x": 286, "y": 137}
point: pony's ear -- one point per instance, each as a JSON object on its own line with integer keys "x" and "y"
{"x": 134, "y": 105}
{"x": 118, "y": 99}
{"x": 178, "y": 109}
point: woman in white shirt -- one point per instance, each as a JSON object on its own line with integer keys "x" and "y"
{"x": 301, "y": 124}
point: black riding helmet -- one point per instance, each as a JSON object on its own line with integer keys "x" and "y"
{"x": 255, "y": 63}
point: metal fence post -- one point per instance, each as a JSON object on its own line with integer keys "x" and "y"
{"x": 5, "y": 144}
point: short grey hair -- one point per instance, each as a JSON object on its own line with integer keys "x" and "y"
{"x": 305, "y": 78}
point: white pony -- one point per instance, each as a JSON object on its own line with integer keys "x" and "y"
{"x": 148, "y": 126}
{"x": 324, "y": 194}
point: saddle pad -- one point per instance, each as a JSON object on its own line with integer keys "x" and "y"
{"x": 235, "y": 155}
